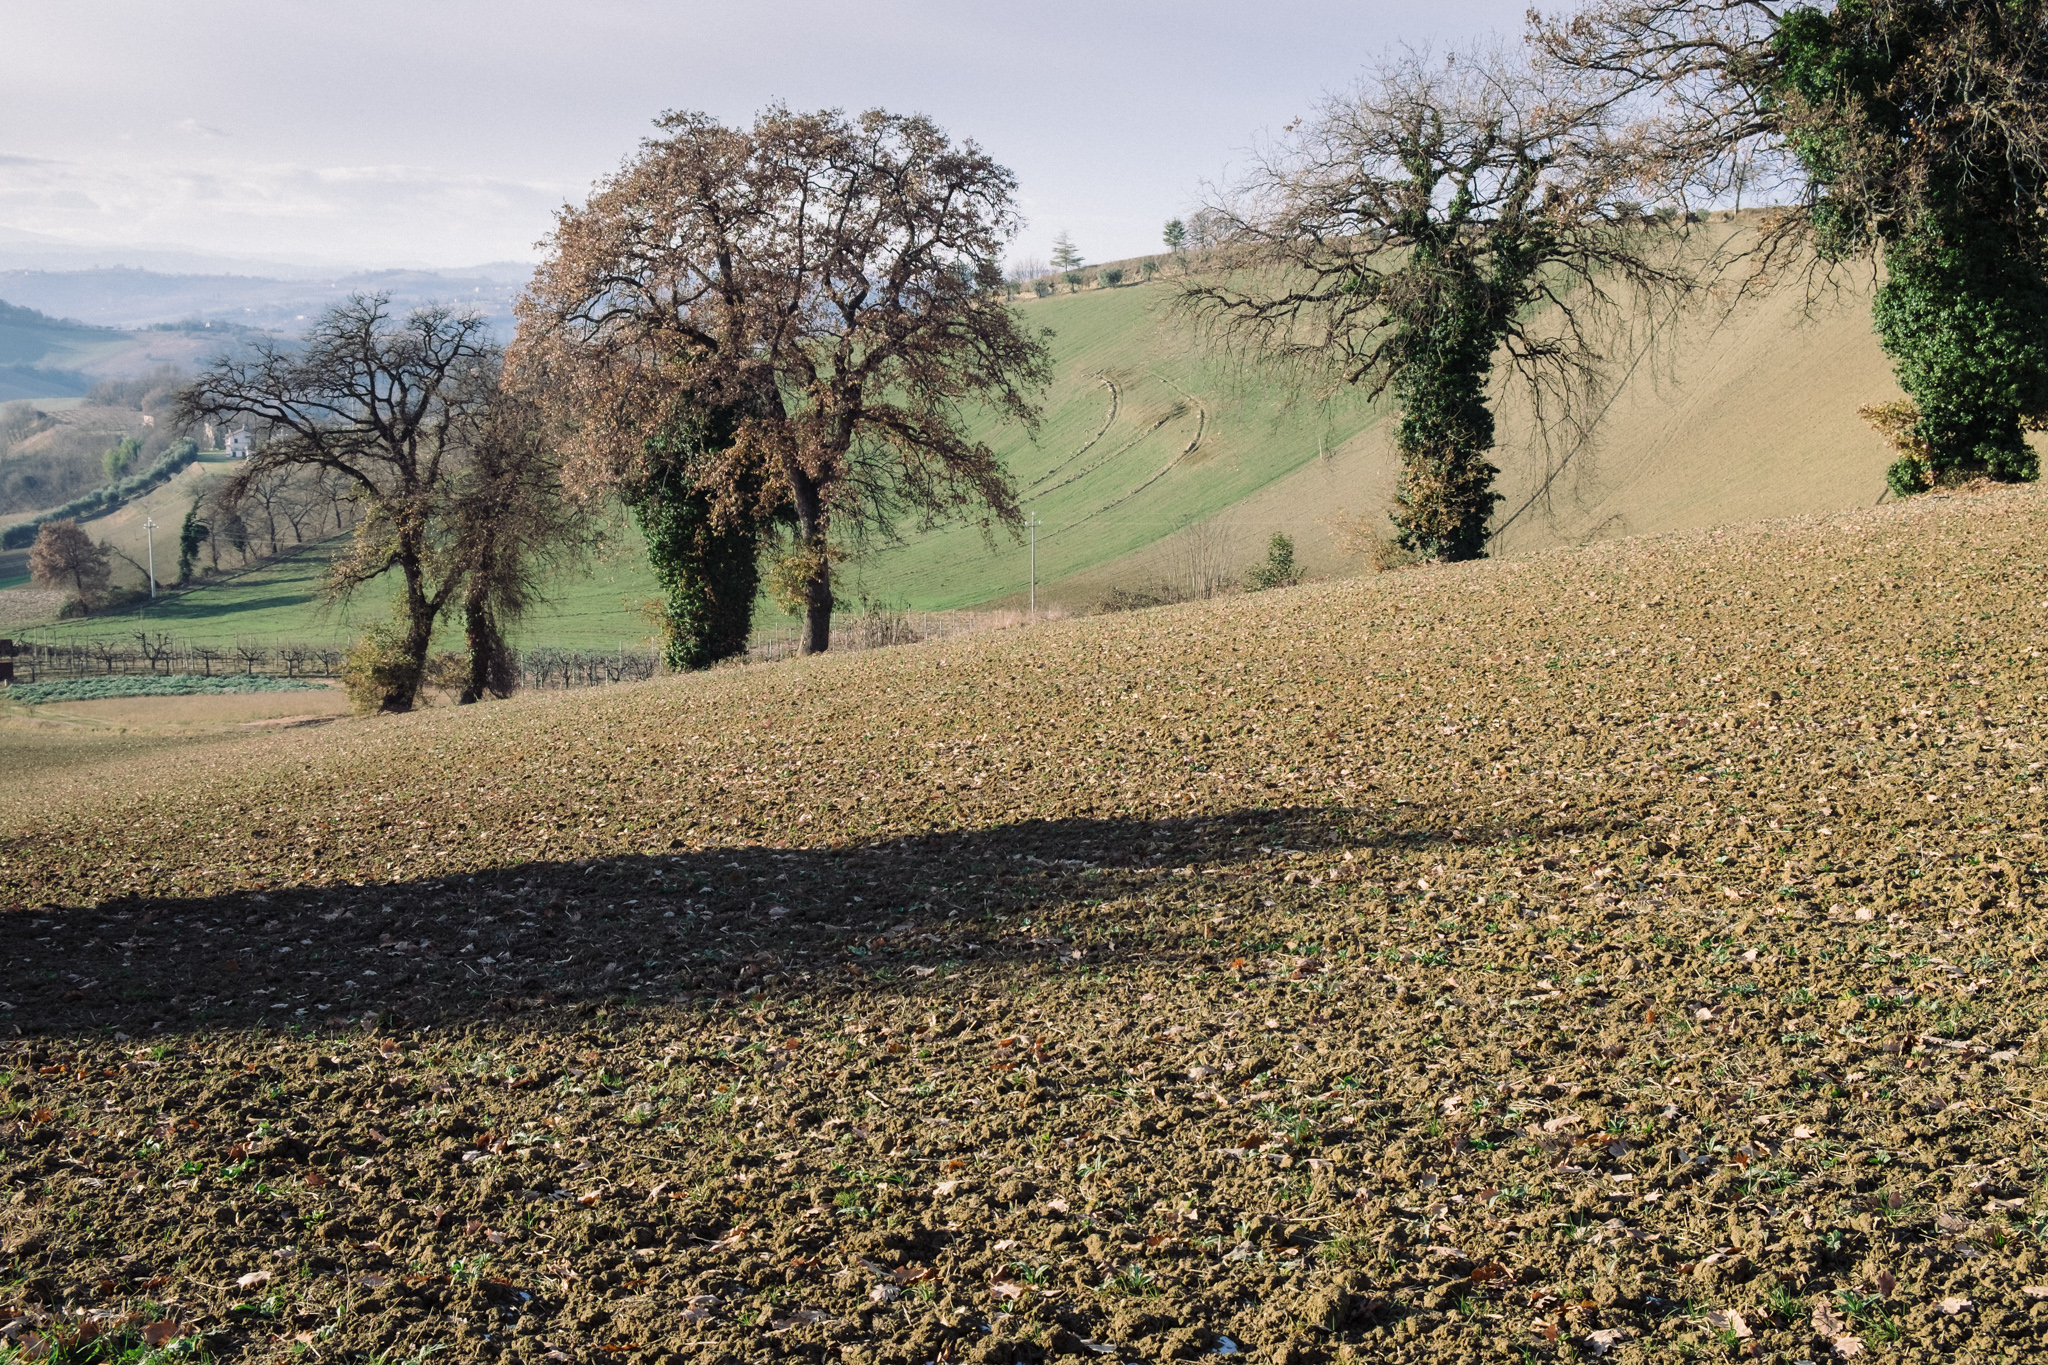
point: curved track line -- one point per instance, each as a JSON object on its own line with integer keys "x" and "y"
{"x": 1201, "y": 422}
{"x": 1084, "y": 473}
{"x": 1116, "y": 397}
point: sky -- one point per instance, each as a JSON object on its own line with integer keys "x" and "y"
{"x": 439, "y": 133}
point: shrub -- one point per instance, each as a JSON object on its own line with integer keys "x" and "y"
{"x": 378, "y": 668}
{"x": 789, "y": 577}
{"x": 1134, "y": 599}
{"x": 1279, "y": 570}
{"x": 448, "y": 670}
{"x": 1042, "y": 287}
{"x": 1112, "y": 276}
{"x": 1075, "y": 279}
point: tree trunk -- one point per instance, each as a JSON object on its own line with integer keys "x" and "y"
{"x": 811, "y": 535}
{"x": 818, "y": 610}
{"x": 402, "y": 688}
{"x": 481, "y": 630}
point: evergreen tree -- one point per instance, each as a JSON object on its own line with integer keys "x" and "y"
{"x": 1176, "y": 235}
{"x": 191, "y": 535}
{"x": 1064, "y": 256}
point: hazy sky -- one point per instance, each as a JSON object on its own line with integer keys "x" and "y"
{"x": 444, "y": 132}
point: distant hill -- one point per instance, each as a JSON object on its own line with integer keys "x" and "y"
{"x": 120, "y": 296}
{"x": 34, "y": 349}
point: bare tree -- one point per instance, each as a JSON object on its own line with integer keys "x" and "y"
{"x": 833, "y": 285}
{"x": 155, "y": 648}
{"x": 1444, "y": 217}
{"x": 64, "y": 556}
{"x": 1202, "y": 559}
{"x": 301, "y": 503}
{"x": 512, "y": 524}
{"x": 388, "y": 406}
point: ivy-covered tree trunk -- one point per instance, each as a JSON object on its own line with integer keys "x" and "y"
{"x": 1916, "y": 122}
{"x": 709, "y": 575}
{"x": 709, "y": 566}
{"x": 1445, "y": 495}
{"x": 1964, "y": 316}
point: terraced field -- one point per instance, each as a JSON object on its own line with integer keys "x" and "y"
{"x": 1632, "y": 952}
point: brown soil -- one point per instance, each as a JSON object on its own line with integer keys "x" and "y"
{"x": 1632, "y": 952}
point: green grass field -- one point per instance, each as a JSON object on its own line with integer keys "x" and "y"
{"x": 1140, "y": 438}
{"x": 1721, "y": 420}
{"x": 284, "y": 601}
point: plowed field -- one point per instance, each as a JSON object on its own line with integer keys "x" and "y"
{"x": 1630, "y": 952}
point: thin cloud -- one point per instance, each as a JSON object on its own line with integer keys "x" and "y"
{"x": 338, "y": 212}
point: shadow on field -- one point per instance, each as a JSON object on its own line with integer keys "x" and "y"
{"x": 656, "y": 928}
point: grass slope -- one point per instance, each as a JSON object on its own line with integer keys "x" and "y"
{"x": 1719, "y": 420}
{"x": 284, "y": 601}
{"x": 1604, "y": 951}
{"x": 1142, "y": 436}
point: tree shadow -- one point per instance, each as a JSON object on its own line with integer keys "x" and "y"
{"x": 699, "y": 925}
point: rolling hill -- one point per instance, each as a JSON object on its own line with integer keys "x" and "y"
{"x": 1718, "y": 419}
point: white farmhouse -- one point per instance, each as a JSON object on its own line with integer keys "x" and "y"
{"x": 239, "y": 444}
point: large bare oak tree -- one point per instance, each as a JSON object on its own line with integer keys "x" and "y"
{"x": 1445, "y": 216}
{"x": 827, "y": 289}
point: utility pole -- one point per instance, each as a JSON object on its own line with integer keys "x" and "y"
{"x": 149, "y": 529}
{"x": 1034, "y": 524}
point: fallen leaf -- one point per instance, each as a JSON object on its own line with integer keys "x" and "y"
{"x": 883, "y": 1293}
{"x": 1728, "y": 1320}
{"x": 1005, "y": 1289}
{"x": 1953, "y": 1305}
{"x": 315, "y": 1180}
{"x": 1848, "y": 1348}
{"x": 1885, "y": 1281}
{"x": 157, "y": 1333}
{"x": 1827, "y": 1322}
{"x": 911, "y": 1274}
{"x": 253, "y": 1279}
{"x": 1606, "y": 1339}
{"x": 375, "y": 1281}
{"x": 2035, "y": 1291}
{"x": 802, "y": 1318}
